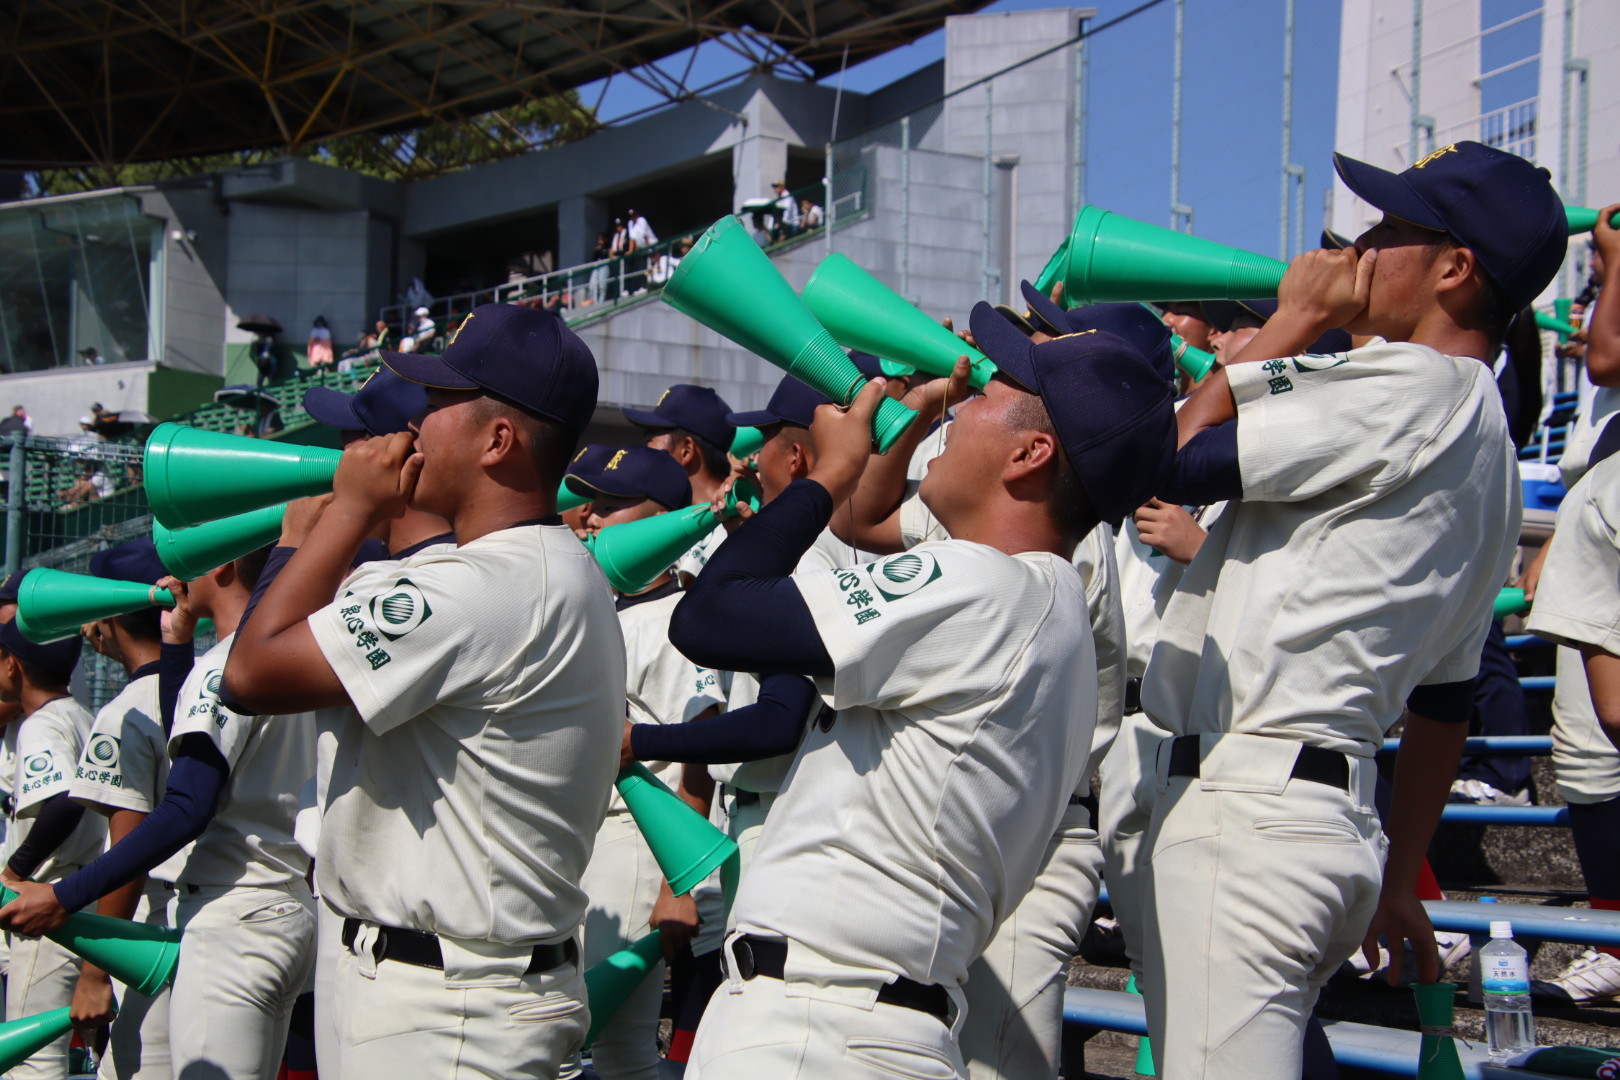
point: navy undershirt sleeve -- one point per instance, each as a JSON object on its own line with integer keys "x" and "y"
{"x": 772, "y": 725}
{"x": 174, "y": 664}
{"x": 1448, "y": 703}
{"x": 273, "y": 563}
{"x": 196, "y": 780}
{"x": 1206, "y": 469}
{"x": 744, "y": 613}
{"x": 58, "y": 816}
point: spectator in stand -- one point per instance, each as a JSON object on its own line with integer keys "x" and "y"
{"x": 93, "y": 483}
{"x": 597, "y": 289}
{"x": 663, "y": 267}
{"x": 319, "y": 348}
{"x": 642, "y": 239}
{"x": 421, "y": 332}
{"x": 365, "y": 348}
{"x": 90, "y": 356}
{"x": 17, "y": 423}
{"x": 812, "y": 215}
{"x": 788, "y": 219}
{"x": 105, "y": 424}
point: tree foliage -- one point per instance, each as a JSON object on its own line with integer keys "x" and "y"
{"x": 441, "y": 146}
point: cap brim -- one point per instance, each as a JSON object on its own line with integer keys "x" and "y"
{"x": 1386, "y": 191}
{"x": 647, "y": 419}
{"x": 427, "y": 370}
{"x": 760, "y": 418}
{"x": 332, "y": 408}
{"x": 1009, "y": 347}
{"x": 1219, "y": 313}
{"x": 1023, "y": 324}
{"x": 1044, "y": 315}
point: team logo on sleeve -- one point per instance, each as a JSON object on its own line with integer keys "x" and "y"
{"x": 37, "y": 764}
{"x": 399, "y": 610}
{"x": 903, "y": 574}
{"x": 215, "y": 681}
{"x": 1318, "y": 362}
{"x": 103, "y": 751}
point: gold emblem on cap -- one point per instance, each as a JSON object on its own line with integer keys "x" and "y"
{"x": 614, "y": 462}
{"x": 1449, "y": 148}
{"x": 661, "y": 398}
{"x": 459, "y": 328}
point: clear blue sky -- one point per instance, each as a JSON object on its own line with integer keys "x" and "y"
{"x": 1231, "y": 108}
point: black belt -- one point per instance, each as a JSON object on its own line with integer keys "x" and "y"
{"x": 1133, "y": 696}
{"x": 768, "y": 956}
{"x": 1314, "y": 763}
{"x": 421, "y": 949}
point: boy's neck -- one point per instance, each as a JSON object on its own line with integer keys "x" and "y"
{"x": 34, "y": 698}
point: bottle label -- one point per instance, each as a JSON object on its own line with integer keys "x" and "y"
{"x": 1505, "y": 975}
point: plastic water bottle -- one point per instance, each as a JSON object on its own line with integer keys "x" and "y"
{"x": 1505, "y": 980}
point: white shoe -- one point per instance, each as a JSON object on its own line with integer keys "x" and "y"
{"x": 1480, "y": 793}
{"x": 1591, "y": 976}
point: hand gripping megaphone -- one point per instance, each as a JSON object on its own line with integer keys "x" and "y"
{"x": 141, "y": 956}
{"x": 863, "y": 313}
{"x": 53, "y": 604}
{"x": 729, "y": 285}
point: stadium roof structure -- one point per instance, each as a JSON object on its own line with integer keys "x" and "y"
{"x": 86, "y": 82}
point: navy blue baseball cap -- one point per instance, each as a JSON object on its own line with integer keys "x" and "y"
{"x": 526, "y": 356}
{"x": 1498, "y": 205}
{"x": 636, "y": 472}
{"x": 1221, "y": 314}
{"x": 589, "y": 459}
{"x": 698, "y": 409}
{"x": 10, "y": 586}
{"x": 385, "y": 405}
{"x": 133, "y": 560}
{"x": 1336, "y": 241}
{"x": 57, "y": 657}
{"x": 1132, "y": 322}
{"x": 1113, "y": 413}
{"x": 792, "y": 403}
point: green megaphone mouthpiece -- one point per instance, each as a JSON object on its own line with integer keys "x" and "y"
{"x": 1509, "y": 602}
{"x": 1192, "y": 362}
{"x": 1585, "y": 218}
{"x": 729, "y": 285}
{"x": 863, "y": 313}
{"x": 1558, "y": 326}
{"x": 1113, "y": 259}
{"x": 193, "y": 476}
{"x": 188, "y": 554}
{"x": 53, "y": 604}
{"x": 141, "y": 956}
{"x": 746, "y": 443}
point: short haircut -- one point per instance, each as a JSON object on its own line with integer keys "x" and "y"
{"x": 250, "y": 566}
{"x": 1070, "y": 507}
{"x": 551, "y": 445}
{"x": 714, "y": 458}
{"x": 143, "y": 625}
{"x": 44, "y": 676}
{"x": 1492, "y": 309}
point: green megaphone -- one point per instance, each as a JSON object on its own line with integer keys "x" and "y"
{"x": 1558, "y": 326}
{"x": 188, "y": 554}
{"x": 1052, "y": 272}
{"x": 141, "y": 956}
{"x": 746, "y": 443}
{"x": 863, "y": 313}
{"x": 193, "y": 476}
{"x": 685, "y": 844}
{"x": 1509, "y": 602}
{"x": 1437, "y": 1052}
{"x": 611, "y": 980}
{"x": 1192, "y": 362}
{"x": 53, "y": 604}
{"x": 1113, "y": 259}
{"x": 729, "y": 285}
{"x": 22, "y": 1039}
{"x": 633, "y": 554}
{"x": 1584, "y": 218}
{"x": 567, "y": 499}
{"x": 1564, "y": 309}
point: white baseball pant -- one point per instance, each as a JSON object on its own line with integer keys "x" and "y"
{"x": 481, "y": 1017}
{"x": 1124, "y": 811}
{"x": 41, "y": 978}
{"x": 138, "y": 1043}
{"x": 328, "y": 948}
{"x": 799, "y": 1030}
{"x": 1258, "y": 887}
{"x": 1014, "y": 1023}
{"x": 248, "y": 954}
{"x": 622, "y": 880}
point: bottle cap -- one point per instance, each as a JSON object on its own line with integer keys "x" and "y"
{"x": 1501, "y": 928}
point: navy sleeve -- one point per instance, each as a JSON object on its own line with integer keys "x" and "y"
{"x": 174, "y": 664}
{"x": 772, "y": 725}
{"x": 272, "y": 566}
{"x": 1448, "y": 703}
{"x": 195, "y": 783}
{"x": 1608, "y": 441}
{"x": 53, "y": 824}
{"x": 744, "y": 613}
{"x": 1206, "y": 469}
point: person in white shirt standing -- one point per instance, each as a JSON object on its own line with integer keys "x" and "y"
{"x": 964, "y": 680}
{"x": 1375, "y": 515}
{"x": 487, "y": 688}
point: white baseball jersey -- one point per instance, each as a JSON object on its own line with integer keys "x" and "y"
{"x": 1576, "y": 604}
{"x": 125, "y": 764}
{"x": 698, "y": 555}
{"x": 249, "y": 840}
{"x": 47, "y": 744}
{"x": 488, "y": 686}
{"x": 1380, "y": 514}
{"x": 1595, "y": 405}
{"x": 1147, "y": 580}
{"x": 916, "y": 819}
{"x": 663, "y": 686}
